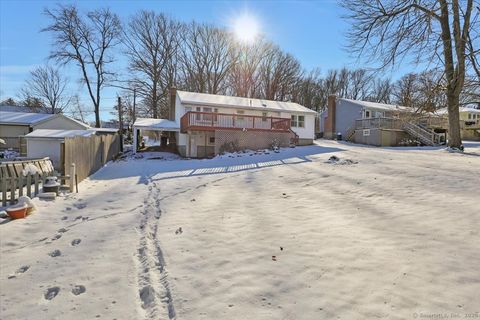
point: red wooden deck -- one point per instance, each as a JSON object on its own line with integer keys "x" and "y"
{"x": 211, "y": 121}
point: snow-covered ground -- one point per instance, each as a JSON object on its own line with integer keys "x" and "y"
{"x": 391, "y": 234}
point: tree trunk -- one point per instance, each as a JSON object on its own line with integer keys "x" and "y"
{"x": 454, "y": 137}
{"x": 97, "y": 116}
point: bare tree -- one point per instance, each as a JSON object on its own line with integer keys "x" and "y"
{"x": 152, "y": 42}
{"x": 279, "y": 73}
{"x": 428, "y": 30}
{"x": 244, "y": 78}
{"x": 207, "y": 57}
{"x": 87, "y": 40}
{"x": 47, "y": 84}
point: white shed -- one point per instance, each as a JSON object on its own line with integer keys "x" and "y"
{"x": 46, "y": 143}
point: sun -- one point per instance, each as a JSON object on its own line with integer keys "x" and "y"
{"x": 246, "y": 28}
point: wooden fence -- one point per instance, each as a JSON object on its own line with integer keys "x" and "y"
{"x": 88, "y": 153}
{"x": 13, "y": 183}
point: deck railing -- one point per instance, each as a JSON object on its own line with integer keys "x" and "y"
{"x": 379, "y": 123}
{"x": 209, "y": 121}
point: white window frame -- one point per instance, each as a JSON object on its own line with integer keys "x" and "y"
{"x": 366, "y": 132}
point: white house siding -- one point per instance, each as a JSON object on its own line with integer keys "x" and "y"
{"x": 60, "y": 123}
{"x": 39, "y": 148}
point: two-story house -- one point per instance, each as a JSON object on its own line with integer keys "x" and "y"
{"x": 203, "y": 125}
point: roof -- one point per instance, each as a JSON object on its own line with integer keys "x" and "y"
{"x": 29, "y": 118}
{"x": 443, "y": 111}
{"x": 156, "y": 124}
{"x": 59, "y": 134}
{"x": 216, "y": 100}
{"x": 112, "y": 130}
{"x": 376, "y": 105}
{"x": 23, "y": 118}
{"x": 28, "y": 109}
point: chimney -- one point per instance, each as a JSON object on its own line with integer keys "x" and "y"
{"x": 331, "y": 117}
{"x": 173, "y": 99}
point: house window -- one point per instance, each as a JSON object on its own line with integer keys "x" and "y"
{"x": 211, "y": 140}
{"x": 469, "y": 116}
{"x": 297, "y": 121}
{"x": 368, "y": 114}
{"x": 301, "y": 121}
{"x": 366, "y": 132}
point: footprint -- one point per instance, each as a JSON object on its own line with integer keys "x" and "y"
{"x": 78, "y": 289}
{"x": 78, "y": 218}
{"x": 64, "y": 217}
{"x": 62, "y": 230}
{"x": 76, "y": 242}
{"x": 51, "y": 293}
{"x": 68, "y": 208}
{"x": 55, "y": 253}
{"x": 56, "y": 237}
{"x": 23, "y": 269}
{"x": 80, "y": 205}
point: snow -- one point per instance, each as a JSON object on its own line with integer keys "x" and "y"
{"x": 30, "y": 169}
{"x": 59, "y": 134}
{"x": 25, "y": 118}
{"x": 265, "y": 235}
{"x": 156, "y": 124}
{"x": 195, "y": 99}
{"x": 376, "y": 105}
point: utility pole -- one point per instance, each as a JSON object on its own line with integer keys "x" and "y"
{"x": 120, "y": 122}
{"x": 134, "y": 115}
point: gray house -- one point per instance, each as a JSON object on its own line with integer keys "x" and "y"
{"x": 378, "y": 124}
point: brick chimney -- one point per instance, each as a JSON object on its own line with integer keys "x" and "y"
{"x": 171, "y": 107}
{"x": 331, "y": 117}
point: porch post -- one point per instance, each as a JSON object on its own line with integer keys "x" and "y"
{"x": 135, "y": 132}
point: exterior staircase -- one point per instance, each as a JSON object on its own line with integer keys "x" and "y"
{"x": 426, "y": 136}
{"x": 294, "y": 138}
{"x": 350, "y": 133}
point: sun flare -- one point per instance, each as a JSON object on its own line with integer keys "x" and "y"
{"x": 246, "y": 28}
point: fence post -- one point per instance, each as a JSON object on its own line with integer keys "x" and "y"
{"x": 13, "y": 189}
{"x": 29, "y": 185}
{"x": 35, "y": 179}
{"x": 4, "y": 191}
{"x": 72, "y": 176}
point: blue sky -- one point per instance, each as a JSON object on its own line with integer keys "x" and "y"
{"x": 313, "y": 31}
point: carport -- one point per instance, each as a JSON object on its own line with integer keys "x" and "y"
{"x": 172, "y": 128}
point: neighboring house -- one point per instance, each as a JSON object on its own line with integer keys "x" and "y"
{"x": 202, "y": 125}
{"x": 378, "y": 124}
{"x": 14, "y": 125}
{"x": 469, "y": 121}
{"x": 27, "y": 109}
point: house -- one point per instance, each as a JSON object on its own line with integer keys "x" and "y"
{"x": 469, "y": 121}
{"x": 14, "y": 125}
{"x": 379, "y": 124}
{"x": 202, "y": 125}
{"x": 47, "y": 142}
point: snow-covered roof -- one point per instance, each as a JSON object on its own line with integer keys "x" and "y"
{"x": 215, "y": 100}
{"x": 29, "y": 118}
{"x": 376, "y": 105}
{"x": 443, "y": 111}
{"x": 156, "y": 124}
{"x": 11, "y": 108}
{"x": 109, "y": 130}
{"x": 22, "y": 118}
{"x": 59, "y": 134}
